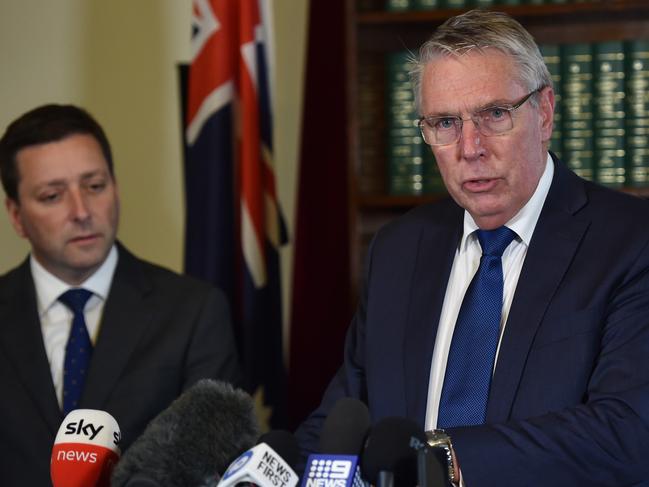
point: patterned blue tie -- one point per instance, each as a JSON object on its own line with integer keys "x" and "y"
{"x": 473, "y": 349}
{"x": 78, "y": 349}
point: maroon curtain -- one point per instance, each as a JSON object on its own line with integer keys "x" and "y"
{"x": 321, "y": 308}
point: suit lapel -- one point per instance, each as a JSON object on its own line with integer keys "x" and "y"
{"x": 555, "y": 241}
{"x": 124, "y": 319}
{"x": 22, "y": 342}
{"x": 435, "y": 253}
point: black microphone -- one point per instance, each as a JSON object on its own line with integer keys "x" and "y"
{"x": 390, "y": 456}
{"x": 270, "y": 463}
{"x": 192, "y": 442}
{"x": 345, "y": 428}
{"x": 341, "y": 441}
{"x": 431, "y": 468}
{"x": 284, "y": 443}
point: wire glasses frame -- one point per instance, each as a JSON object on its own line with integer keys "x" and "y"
{"x": 494, "y": 120}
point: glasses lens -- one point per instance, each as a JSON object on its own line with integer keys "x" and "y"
{"x": 440, "y": 131}
{"x": 495, "y": 120}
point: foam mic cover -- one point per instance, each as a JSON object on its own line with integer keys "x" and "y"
{"x": 192, "y": 441}
{"x": 392, "y": 447}
{"x": 345, "y": 429}
{"x": 268, "y": 464}
{"x": 141, "y": 481}
{"x": 85, "y": 449}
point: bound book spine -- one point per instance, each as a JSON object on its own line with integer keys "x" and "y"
{"x": 637, "y": 112}
{"x": 609, "y": 123}
{"x": 577, "y": 108}
{"x": 411, "y": 166}
{"x": 552, "y": 57}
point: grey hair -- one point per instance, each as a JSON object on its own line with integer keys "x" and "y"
{"x": 480, "y": 30}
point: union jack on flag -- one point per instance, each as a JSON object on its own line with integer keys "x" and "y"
{"x": 234, "y": 225}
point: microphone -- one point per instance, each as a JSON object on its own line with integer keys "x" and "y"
{"x": 345, "y": 428}
{"x": 431, "y": 471}
{"x": 141, "y": 481}
{"x": 268, "y": 464}
{"x": 192, "y": 441}
{"x": 390, "y": 456}
{"x": 341, "y": 441}
{"x": 85, "y": 449}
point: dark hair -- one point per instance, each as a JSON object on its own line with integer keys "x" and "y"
{"x": 47, "y": 123}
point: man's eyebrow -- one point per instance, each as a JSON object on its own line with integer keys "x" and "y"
{"x": 54, "y": 183}
{"x": 91, "y": 174}
{"x": 495, "y": 103}
{"x": 442, "y": 115}
{"x": 62, "y": 182}
{"x": 492, "y": 104}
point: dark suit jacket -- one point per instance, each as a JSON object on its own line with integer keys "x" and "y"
{"x": 569, "y": 402}
{"x": 159, "y": 334}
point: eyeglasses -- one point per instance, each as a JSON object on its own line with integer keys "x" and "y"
{"x": 489, "y": 121}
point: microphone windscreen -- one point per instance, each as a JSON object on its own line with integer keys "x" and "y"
{"x": 194, "y": 440}
{"x": 345, "y": 429}
{"x": 392, "y": 446}
{"x": 141, "y": 481}
{"x": 85, "y": 449}
{"x": 284, "y": 443}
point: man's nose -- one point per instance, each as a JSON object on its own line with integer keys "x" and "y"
{"x": 78, "y": 205}
{"x": 471, "y": 140}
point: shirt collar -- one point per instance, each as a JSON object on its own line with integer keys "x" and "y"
{"x": 49, "y": 287}
{"x": 524, "y": 222}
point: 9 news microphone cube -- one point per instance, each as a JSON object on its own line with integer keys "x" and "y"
{"x": 332, "y": 471}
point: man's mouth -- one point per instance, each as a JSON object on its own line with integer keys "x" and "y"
{"x": 85, "y": 238}
{"x": 480, "y": 185}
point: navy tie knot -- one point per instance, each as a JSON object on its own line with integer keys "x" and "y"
{"x": 75, "y": 299}
{"x": 494, "y": 242}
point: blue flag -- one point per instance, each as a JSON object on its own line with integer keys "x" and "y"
{"x": 234, "y": 226}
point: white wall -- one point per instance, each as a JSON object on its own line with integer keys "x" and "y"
{"x": 118, "y": 59}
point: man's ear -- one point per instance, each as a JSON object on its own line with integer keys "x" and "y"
{"x": 546, "y": 109}
{"x": 13, "y": 210}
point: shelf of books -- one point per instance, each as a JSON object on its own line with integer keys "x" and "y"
{"x": 383, "y": 10}
{"x": 597, "y": 53}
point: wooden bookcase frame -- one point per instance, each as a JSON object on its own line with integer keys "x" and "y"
{"x": 373, "y": 32}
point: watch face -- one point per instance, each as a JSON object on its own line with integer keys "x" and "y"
{"x": 436, "y": 438}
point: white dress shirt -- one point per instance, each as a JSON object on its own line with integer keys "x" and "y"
{"x": 465, "y": 265}
{"x": 56, "y": 318}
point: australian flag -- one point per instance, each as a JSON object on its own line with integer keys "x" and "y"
{"x": 234, "y": 225}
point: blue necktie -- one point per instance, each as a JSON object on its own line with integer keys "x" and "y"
{"x": 475, "y": 339}
{"x": 78, "y": 349}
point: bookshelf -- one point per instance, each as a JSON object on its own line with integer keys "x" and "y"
{"x": 373, "y": 33}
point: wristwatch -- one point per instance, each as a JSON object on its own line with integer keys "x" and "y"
{"x": 440, "y": 439}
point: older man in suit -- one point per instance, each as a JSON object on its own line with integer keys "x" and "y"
{"x": 142, "y": 334}
{"x": 510, "y": 321}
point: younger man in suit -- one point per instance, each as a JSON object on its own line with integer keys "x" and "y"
{"x": 510, "y": 321}
{"x": 141, "y": 335}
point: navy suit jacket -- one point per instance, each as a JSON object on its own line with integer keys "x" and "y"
{"x": 569, "y": 401}
{"x": 159, "y": 334}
